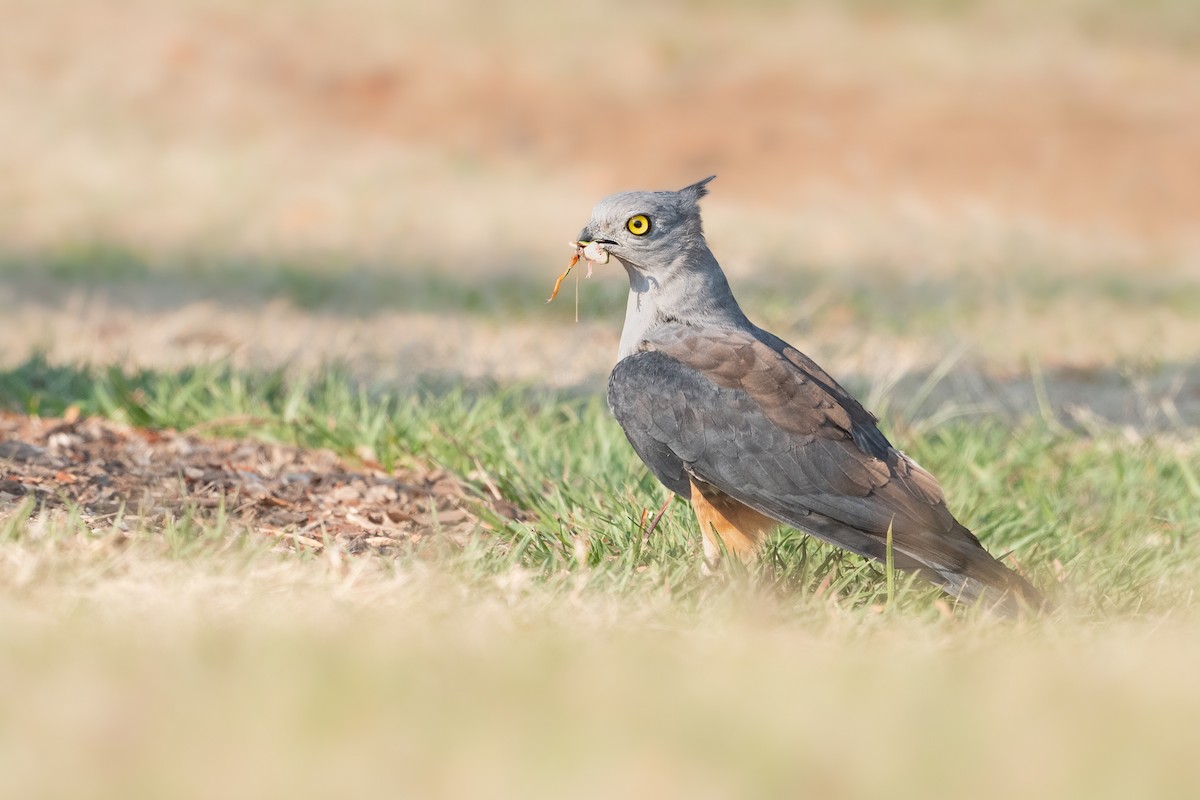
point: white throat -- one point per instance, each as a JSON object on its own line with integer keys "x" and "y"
{"x": 694, "y": 292}
{"x": 641, "y": 312}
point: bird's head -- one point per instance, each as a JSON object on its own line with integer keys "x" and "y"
{"x": 650, "y": 233}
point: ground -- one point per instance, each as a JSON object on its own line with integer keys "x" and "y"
{"x": 117, "y": 477}
{"x": 305, "y": 489}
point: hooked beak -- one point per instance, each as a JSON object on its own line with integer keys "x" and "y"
{"x": 594, "y": 250}
{"x": 587, "y": 237}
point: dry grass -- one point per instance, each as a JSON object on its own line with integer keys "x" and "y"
{"x": 860, "y": 150}
{"x": 900, "y": 184}
{"x": 866, "y": 331}
{"x": 909, "y": 140}
{"x": 190, "y": 659}
{"x": 128, "y": 672}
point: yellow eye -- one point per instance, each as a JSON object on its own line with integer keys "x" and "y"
{"x": 639, "y": 225}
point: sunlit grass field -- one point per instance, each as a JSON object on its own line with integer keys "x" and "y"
{"x": 334, "y": 225}
{"x": 567, "y": 654}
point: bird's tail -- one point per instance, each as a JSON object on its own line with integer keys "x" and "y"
{"x": 979, "y": 579}
{"x": 953, "y": 559}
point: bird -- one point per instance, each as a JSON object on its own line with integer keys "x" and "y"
{"x": 754, "y": 433}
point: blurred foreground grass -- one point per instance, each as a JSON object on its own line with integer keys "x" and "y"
{"x": 201, "y": 679}
{"x": 565, "y": 656}
{"x": 137, "y": 669}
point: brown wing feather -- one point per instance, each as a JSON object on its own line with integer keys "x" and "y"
{"x": 745, "y": 412}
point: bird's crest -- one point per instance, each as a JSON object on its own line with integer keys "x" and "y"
{"x": 697, "y": 190}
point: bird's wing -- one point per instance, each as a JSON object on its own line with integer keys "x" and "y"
{"x": 762, "y": 423}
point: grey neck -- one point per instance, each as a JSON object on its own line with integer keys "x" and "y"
{"x": 692, "y": 290}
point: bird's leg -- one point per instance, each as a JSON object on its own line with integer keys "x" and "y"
{"x": 711, "y": 564}
{"x": 727, "y": 525}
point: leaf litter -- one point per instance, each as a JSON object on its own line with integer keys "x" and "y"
{"x": 113, "y": 473}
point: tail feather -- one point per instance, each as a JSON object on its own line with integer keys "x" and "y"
{"x": 954, "y": 560}
{"x": 979, "y": 579}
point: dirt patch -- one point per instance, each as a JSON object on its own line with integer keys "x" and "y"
{"x": 116, "y": 474}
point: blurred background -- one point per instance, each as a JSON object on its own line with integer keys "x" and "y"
{"x": 1007, "y": 185}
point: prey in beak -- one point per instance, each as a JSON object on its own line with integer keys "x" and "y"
{"x": 593, "y": 252}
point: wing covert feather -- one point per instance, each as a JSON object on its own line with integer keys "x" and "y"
{"x": 760, "y": 422}
{"x": 734, "y": 412}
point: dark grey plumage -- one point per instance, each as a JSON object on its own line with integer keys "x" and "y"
{"x": 705, "y": 396}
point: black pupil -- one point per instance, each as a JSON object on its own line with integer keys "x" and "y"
{"x": 639, "y": 223}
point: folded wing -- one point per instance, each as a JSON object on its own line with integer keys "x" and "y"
{"x": 752, "y": 416}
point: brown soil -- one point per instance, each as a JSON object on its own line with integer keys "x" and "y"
{"x": 129, "y": 477}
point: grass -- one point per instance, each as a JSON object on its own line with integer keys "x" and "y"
{"x": 892, "y": 301}
{"x": 254, "y": 677}
{"x": 567, "y": 656}
{"x": 1117, "y": 519}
